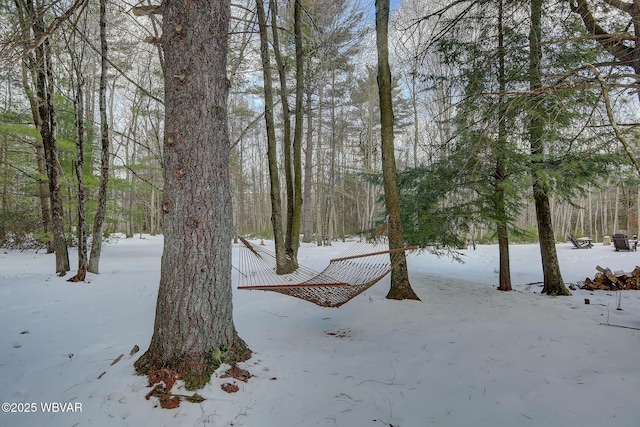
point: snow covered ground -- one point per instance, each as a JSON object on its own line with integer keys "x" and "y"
{"x": 466, "y": 355}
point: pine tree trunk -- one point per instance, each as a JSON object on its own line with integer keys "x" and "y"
{"x": 194, "y": 310}
{"x": 553, "y": 283}
{"x": 400, "y": 285}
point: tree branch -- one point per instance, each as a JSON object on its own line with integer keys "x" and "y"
{"x": 147, "y": 10}
{"x": 55, "y": 24}
{"x": 612, "y": 121}
{"x": 611, "y": 43}
{"x": 621, "y": 5}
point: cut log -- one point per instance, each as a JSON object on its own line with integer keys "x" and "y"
{"x": 608, "y": 273}
{"x": 606, "y": 279}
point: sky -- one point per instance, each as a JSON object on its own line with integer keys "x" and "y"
{"x": 465, "y": 355}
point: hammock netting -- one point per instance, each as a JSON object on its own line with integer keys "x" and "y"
{"x": 351, "y": 273}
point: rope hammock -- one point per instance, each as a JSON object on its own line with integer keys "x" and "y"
{"x": 351, "y": 273}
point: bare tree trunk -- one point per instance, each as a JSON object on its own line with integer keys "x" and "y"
{"x": 98, "y": 221}
{"x": 553, "y": 282}
{"x": 616, "y": 214}
{"x": 152, "y": 213}
{"x": 416, "y": 123}
{"x": 500, "y": 177}
{"x": 319, "y": 190}
{"x": 286, "y": 138}
{"x": 28, "y": 65}
{"x": 78, "y": 107}
{"x": 400, "y": 285}
{"x": 4, "y": 206}
{"x": 307, "y": 214}
{"x": 282, "y": 262}
{"x": 297, "y": 134}
{"x": 46, "y": 116}
{"x": 194, "y": 314}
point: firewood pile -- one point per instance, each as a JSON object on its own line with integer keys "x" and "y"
{"x": 608, "y": 280}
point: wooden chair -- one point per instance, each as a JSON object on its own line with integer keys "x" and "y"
{"x": 584, "y": 243}
{"x": 621, "y": 242}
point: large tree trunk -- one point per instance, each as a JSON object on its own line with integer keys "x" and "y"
{"x": 400, "y": 285}
{"x": 194, "y": 311}
{"x": 98, "y": 220}
{"x": 553, "y": 283}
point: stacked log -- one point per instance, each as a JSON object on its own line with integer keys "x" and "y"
{"x": 608, "y": 280}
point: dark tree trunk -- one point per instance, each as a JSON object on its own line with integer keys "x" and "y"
{"x": 28, "y": 67}
{"x": 98, "y": 220}
{"x": 282, "y": 263}
{"x": 194, "y": 311}
{"x": 553, "y": 283}
{"x": 400, "y": 285}
{"x": 79, "y": 171}
{"x": 500, "y": 176}
{"x": 47, "y": 117}
{"x": 307, "y": 214}
{"x": 291, "y": 243}
{"x": 296, "y": 218}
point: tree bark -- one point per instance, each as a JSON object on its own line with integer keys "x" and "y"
{"x": 291, "y": 252}
{"x": 307, "y": 213}
{"x": 400, "y": 285}
{"x": 28, "y": 66}
{"x": 78, "y": 105}
{"x": 296, "y": 218}
{"x": 194, "y": 318}
{"x": 98, "y": 220}
{"x": 500, "y": 176}
{"x": 44, "y": 87}
{"x": 282, "y": 264}
{"x": 553, "y": 283}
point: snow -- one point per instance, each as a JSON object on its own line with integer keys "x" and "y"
{"x": 466, "y": 355}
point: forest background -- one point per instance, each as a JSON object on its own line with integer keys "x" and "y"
{"x": 463, "y": 107}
